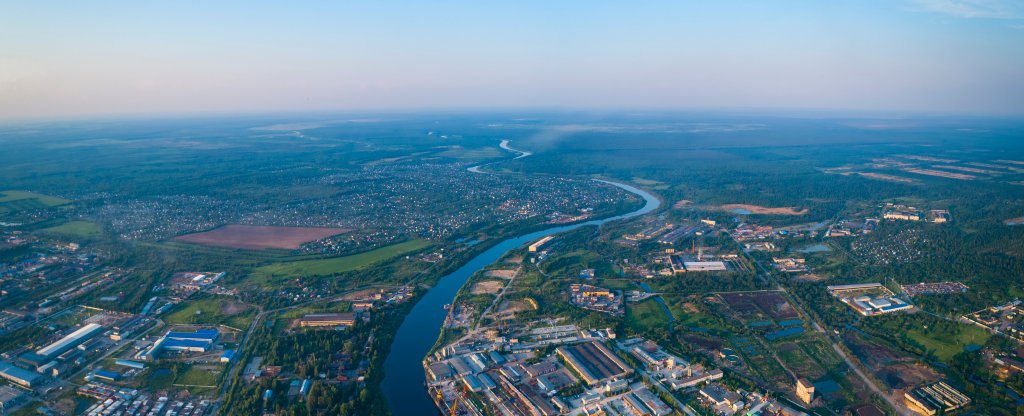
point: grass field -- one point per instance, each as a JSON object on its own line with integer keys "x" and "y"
{"x": 947, "y": 345}
{"x": 322, "y": 267}
{"x": 50, "y": 201}
{"x": 197, "y": 377}
{"x": 76, "y": 228}
{"x": 238, "y": 257}
{"x": 646, "y": 314}
{"x": 213, "y": 311}
{"x": 14, "y": 201}
{"x": 690, "y": 316}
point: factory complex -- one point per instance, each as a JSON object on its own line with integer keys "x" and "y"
{"x": 330, "y": 320}
{"x": 935, "y": 398}
{"x": 201, "y": 340}
{"x": 869, "y": 298}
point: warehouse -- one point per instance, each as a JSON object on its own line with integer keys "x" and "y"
{"x": 208, "y": 335}
{"x": 129, "y": 363}
{"x": 594, "y": 362}
{"x": 188, "y": 345}
{"x": 197, "y": 341}
{"x": 19, "y": 376}
{"x": 328, "y": 320}
{"x": 704, "y": 266}
{"x": 70, "y": 341}
{"x": 535, "y": 247}
{"x": 935, "y": 398}
{"x": 103, "y": 375}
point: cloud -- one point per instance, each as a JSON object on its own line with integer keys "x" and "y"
{"x": 975, "y": 9}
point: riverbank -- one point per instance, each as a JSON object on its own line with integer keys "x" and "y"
{"x": 404, "y": 376}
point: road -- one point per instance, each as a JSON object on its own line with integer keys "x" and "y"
{"x": 678, "y": 404}
{"x": 233, "y": 365}
{"x": 831, "y": 337}
{"x": 874, "y": 388}
{"x": 497, "y": 299}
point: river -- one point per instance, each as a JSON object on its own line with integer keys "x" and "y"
{"x": 404, "y": 377}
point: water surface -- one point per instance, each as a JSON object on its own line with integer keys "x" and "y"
{"x": 404, "y": 377}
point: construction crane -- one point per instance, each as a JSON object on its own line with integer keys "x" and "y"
{"x": 455, "y": 404}
{"x": 461, "y": 398}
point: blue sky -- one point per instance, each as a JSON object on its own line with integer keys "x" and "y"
{"x": 74, "y": 58}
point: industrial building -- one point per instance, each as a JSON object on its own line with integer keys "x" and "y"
{"x": 533, "y": 248}
{"x": 929, "y": 400}
{"x": 704, "y": 266}
{"x": 804, "y": 390}
{"x": 594, "y": 362}
{"x": 197, "y": 335}
{"x": 328, "y": 320}
{"x": 789, "y": 264}
{"x": 129, "y": 363}
{"x": 18, "y": 375}
{"x": 10, "y": 397}
{"x": 868, "y": 306}
{"x": 902, "y": 213}
{"x": 70, "y": 341}
{"x": 197, "y": 341}
{"x": 103, "y": 375}
{"x": 856, "y": 286}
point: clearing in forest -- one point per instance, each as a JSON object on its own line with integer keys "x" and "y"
{"x": 746, "y": 209}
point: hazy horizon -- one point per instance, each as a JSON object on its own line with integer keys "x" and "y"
{"x": 84, "y": 60}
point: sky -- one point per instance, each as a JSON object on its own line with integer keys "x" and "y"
{"x": 61, "y": 59}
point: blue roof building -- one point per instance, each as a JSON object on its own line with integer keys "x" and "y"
{"x": 18, "y": 375}
{"x": 129, "y": 363}
{"x": 186, "y": 345}
{"x": 198, "y": 335}
{"x": 105, "y": 375}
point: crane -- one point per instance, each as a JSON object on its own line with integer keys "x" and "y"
{"x": 461, "y": 398}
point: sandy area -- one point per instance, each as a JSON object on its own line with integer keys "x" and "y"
{"x": 486, "y": 287}
{"x": 1016, "y": 162}
{"x": 939, "y": 173}
{"x": 811, "y": 277}
{"x": 757, "y": 209}
{"x": 255, "y": 237}
{"x": 233, "y": 308}
{"x": 504, "y": 274}
{"x": 681, "y": 203}
{"x": 884, "y": 177}
{"x": 360, "y": 294}
{"x": 509, "y": 307}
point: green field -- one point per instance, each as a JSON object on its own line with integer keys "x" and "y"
{"x": 698, "y": 319}
{"x": 76, "y": 228}
{"x": 646, "y": 314}
{"x": 50, "y": 201}
{"x": 14, "y": 201}
{"x": 213, "y": 311}
{"x": 946, "y": 345}
{"x": 323, "y": 267}
{"x": 197, "y": 377}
